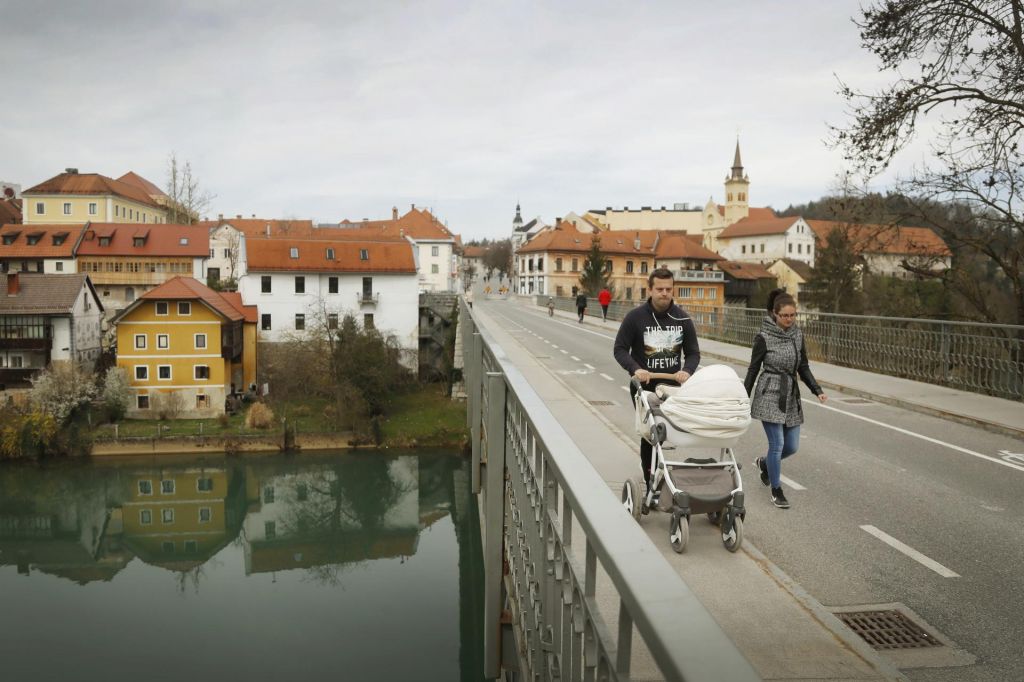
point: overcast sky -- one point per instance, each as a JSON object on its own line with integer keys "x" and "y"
{"x": 342, "y": 109}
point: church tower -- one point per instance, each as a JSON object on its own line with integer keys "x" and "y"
{"x": 737, "y": 184}
{"x": 517, "y": 222}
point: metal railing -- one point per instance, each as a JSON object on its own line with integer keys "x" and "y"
{"x": 550, "y": 522}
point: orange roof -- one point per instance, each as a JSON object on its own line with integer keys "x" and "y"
{"x": 311, "y": 255}
{"x": 10, "y": 211}
{"x": 889, "y": 239}
{"x": 565, "y": 237}
{"x": 756, "y": 227}
{"x": 356, "y": 234}
{"x": 135, "y": 180}
{"x": 739, "y": 270}
{"x": 90, "y": 183}
{"x": 754, "y": 212}
{"x": 257, "y": 227}
{"x": 162, "y": 240}
{"x": 679, "y": 245}
{"x": 43, "y": 235}
{"x": 189, "y": 289}
{"x": 417, "y": 223}
{"x": 474, "y": 251}
{"x": 249, "y": 312}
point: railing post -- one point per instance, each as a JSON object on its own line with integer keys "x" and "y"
{"x": 494, "y": 522}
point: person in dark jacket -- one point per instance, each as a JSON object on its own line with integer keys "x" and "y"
{"x": 656, "y": 336}
{"x": 778, "y": 357}
{"x": 581, "y": 305}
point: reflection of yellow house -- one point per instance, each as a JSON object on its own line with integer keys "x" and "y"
{"x": 74, "y": 197}
{"x": 184, "y": 347}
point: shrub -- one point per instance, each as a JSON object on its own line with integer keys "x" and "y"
{"x": 259, "y": 416}
{"x": 224, "y": 421}
{"x": 61, "y": 390}
{"x": 116, "y": 393}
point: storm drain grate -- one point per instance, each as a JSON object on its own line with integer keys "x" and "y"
{"x": 601, "y": 403}
{"x": 886, "y": 630}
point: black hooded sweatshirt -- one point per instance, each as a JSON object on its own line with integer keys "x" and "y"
{"x": 657, "y": 342}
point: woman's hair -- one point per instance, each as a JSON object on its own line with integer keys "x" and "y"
{"x": 779, "y": 299}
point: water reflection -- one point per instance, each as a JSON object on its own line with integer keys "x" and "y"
{"x": 352, "y": 529}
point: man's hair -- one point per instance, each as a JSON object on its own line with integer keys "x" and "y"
{"x": 659, "y": 273}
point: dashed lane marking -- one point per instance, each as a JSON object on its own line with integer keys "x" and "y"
{"x": 910, "y": 552}
{"x": 607, "y": 377}
{"x": 575, "y": 358}
{"x": 589, "y": 366}
{"x": 790, "y": 483}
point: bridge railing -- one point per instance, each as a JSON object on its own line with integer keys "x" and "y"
{"x": 550, "y": 528}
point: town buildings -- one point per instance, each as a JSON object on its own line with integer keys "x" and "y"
{"x": 73, "y": 197}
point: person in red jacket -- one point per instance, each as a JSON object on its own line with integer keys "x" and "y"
{"x": 604, "y": 298}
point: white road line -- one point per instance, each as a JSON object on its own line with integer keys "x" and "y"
{"x": 790, "y": 483}
{"x": 554, "y": 346}
{"x": 576, "y": 358}
{"x": 972, "y": 453}
{"x": 589, "y": 366}
{"x": 563, "y": 350}
{"x": 910, "y": 552}
{"x": 626, "y": 388}
{"x": 607, "y": 377}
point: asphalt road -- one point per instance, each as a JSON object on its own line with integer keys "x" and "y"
{"x": 859, "y": 489}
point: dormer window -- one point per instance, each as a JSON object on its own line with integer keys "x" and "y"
{"x": 293, "y": 252}
{"x": 183, "y": 241}
{"x": 10, "y": 238}
{"x": 59, "y": 238}
{"x": 104, "y": 241}
{"x": 34, "y": 238}
{"x": 138, "y": 241}
{"x": 364, "y": 254}
{"x": 330, "y": 254}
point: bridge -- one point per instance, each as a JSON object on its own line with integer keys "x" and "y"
{"x": 899, "y": 553}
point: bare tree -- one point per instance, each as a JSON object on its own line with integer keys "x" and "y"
{"x": 187, "y": 200}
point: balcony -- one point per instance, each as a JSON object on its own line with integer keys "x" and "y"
{"x": 699, "y": 276}
{"x": 34, "y": 344}
{"x": 367, "y": 298}
{"x": 17, "y": 377}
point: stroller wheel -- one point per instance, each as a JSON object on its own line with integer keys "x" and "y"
{"x": 715, "y": 518}
{"x": 733, "y": 537}
{"x": 632, "y": 498}
{"x": 679, "y": 532}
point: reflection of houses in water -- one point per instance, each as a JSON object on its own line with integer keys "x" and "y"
{"x": 177, "y": 518}
{"x": 353, "y": 509}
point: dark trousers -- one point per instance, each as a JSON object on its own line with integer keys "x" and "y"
{"x": 580, "y": 311}
{"x": 604, "y": 311}
{"x": 646, "y": 449}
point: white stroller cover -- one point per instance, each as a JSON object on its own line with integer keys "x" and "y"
{"x": 712, "y": 403}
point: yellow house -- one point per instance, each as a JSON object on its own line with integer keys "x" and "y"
{"x": 74, "y": 197}
{"x": 184, "y": 348}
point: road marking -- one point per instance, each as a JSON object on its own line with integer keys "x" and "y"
{"x": 790, "y": 483}
{"x": 554, "y": 346}
{"x": 563, "y": 350}
{"x": 607, "y": 377}
{"x": 589, "y": 366}
{"x": 576, "y": 358}
{"x": 910, "y": 552}
{"x": 1004, "y": 462}
{"x": 626, "y": 388}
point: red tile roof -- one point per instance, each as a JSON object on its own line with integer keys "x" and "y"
{"x": 162, "y": 240}
{"x": 249, "y": 312}
{"x": 10, "y": 211}
{"x": 474, "y": 251}
{"x": 678, "y": 245}
{"x": 800, "y": 267}
{"x": 419, "y": 224}
{"x": 257, "y": 227}
{"x": 44, "y": 247}
{"x": 90, "y": 183}
{"x": 135, "y": 180}
{"x": 653, "y": 243}
{"x": 189, "y": 289}
{"x": 884, "y": 239}
{"x": 382, "y": 256}
{"x": 756, "y": 227}
{"x": 754, "y": 212}
{"x": 738, "y": 270}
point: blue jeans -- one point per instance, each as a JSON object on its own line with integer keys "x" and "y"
{"x": 783, "y": 441}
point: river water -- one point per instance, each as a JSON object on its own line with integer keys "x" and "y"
{"x": 343, "y": 566}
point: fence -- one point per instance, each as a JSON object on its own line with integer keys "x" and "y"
{"x": 550, "y": 522}
{"x": 974, "y": 357}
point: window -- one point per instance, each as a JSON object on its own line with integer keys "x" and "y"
{"x": 330, "y": 254}
{"x": 629, "y": 293}
{"x": 268, "y": 494}
{"x": 269, "y": 530}
{"x": 300, "y": 321}
{"x": 16, "y": 361}
{"x": 643, "y": 267}
{"x": 433, "y": 250}
{"x": 167, "y": 486}
{"x": 575, "y": 265}
{"x": 204, "y": 484}
{"x": 712, "y": 293}
{"x": 162, "y": 341}
{"x": 743, "y": 249}
{"x": 145, "y": 516}
{"x": 129, "y": 294}
{"x": 167, "y": 515}
{"x": 163, "y": 372}
{"x": 368, "y": 321}
{"x": 200, "y": 341}
{"x": 161, "y": 307}
{"x": 202, "y": 401}
{"x": 191, "y": 546}
{"x": 762, "y": 247}
{"x": 211, "y": 253}
{"x": 643, "y": 292}
{"x": 364, "y": 254}
{"x": 265, "y": 322}
{"x": 67, "y": 208}
{"x": 799, "y": 248}
{"x": 104, "y": 241}
{"x": 699, "y": 292}
{"x": 684, "y": 292}
{"x": 629, "y": 267}
{"x": 607, "y": 266}
{"x": 140, "y": 342}
{"x": 184, "y": 308}
{"x": 138, "y": 241}
{"x": 226, "y": 252}
{"x": 433, "y": 269}
{"x": 40, "y": 208}
{"x": 332, "y": 320}
{"x": 293, "y": 252}
{"x": 145, "y": 487}
{"x": 300, "y": 285}
{"x": 142, "y": 402}
{"x": 265, "y": 284}
{"x": 332, "y": 285}
{"x": 167, "y": 547}
{"x": 558, "y": 265}
{"x": 33, "y": 239}
{"x": 201, "y": 372}
{"x": 790, "y": 248}
{"x": 205, "y": 514}
{"x": 183, "y": 241}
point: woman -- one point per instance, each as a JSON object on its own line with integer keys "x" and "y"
{"x": 778, "y": 356}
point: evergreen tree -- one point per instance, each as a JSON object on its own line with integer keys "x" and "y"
{"x": 835, "y": 285}
{"x": 595, "y": 276}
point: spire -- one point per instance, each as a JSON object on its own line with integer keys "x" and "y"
{"x": 737, "y": 165}
{"x": 517, "y": 222}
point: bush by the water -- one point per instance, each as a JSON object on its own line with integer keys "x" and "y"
{"x": 259, "y": 416}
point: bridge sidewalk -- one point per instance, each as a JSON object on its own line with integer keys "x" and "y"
{"x": 784, "y": 632}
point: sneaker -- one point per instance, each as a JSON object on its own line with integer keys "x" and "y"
{"x": 762, "y": 466}
{"x": 779, "y": 498}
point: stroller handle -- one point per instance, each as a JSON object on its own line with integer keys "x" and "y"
{"x": 654, "y": 375}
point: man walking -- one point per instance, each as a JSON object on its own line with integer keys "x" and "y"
{"x": 604, "y": 298}
{"x": 657, "y": 336}
{"x": 581, "y": 304}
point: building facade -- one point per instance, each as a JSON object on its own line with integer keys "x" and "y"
{"x": 74, "y": 197}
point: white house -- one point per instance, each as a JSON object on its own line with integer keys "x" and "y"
{"x": 754, "y": 240}
{"x": 887, "y": 248}
{"x": 298, "y": 284}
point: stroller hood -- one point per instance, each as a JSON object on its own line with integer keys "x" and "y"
{"x": 713, "y": 403}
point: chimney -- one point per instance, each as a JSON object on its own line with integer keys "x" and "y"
{"x": 220, "y": 216}
{"x": 253, "y": 215}
{"x": 414, "y": 207}
{"x": 71, "y": 171}
{"x": 268, "y": 229}
{"x": 394, "y": 213}
{"x": 238, "y": 216}
{"x": 13, "y": 284}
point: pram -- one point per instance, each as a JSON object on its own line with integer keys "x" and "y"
{"x": 694, "y": 485}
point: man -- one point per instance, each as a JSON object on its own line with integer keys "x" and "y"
{"x": 604, "y": 298}
{"x": 657, "y": 336}
{"x": 581, "y": 305}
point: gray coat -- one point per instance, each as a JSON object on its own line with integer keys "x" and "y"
{"x": 778, "y": 356}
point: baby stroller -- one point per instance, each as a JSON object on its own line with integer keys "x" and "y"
{"x": 711, "y": 410}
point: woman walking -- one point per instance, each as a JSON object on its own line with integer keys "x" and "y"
{"x": 778, "y": 356}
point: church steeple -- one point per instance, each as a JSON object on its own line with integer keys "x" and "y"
{"x": 517, "y": 222}
{"x": 737, "y": 184}
{"x": 737, "y": 165}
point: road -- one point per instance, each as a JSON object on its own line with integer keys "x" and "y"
{"x": 888, "y": 505}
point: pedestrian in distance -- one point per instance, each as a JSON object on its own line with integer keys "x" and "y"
{"x": 778, "y": 357}
{"x": 551, "y": 306}
{"x": 469, "y": 297}
{"x": 581, "y": 305}
{"x": 604, "y": 298}
{"x": 657, "y": 336}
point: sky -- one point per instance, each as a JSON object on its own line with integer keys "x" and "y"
{"x": 342, "y": 109}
